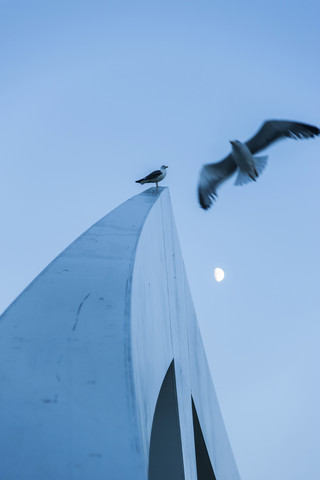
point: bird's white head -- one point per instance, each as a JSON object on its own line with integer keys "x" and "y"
{"x": 236, "y": 145}
{"x": 163, "y": 167}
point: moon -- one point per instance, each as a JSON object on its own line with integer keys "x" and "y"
{"x": 218, "y": 274}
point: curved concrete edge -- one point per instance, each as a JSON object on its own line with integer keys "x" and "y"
{"x": 84, "y": 350}
{"x": 66, "y": 376}
{"x": 164, "y": 327}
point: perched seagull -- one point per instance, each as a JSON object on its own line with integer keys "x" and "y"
{"x": 155, "y": 176}
{"x": 242, "y": 159}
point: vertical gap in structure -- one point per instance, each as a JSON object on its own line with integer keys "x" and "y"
{"x": 165, "y": 455}
{"x": 204, "y": 467}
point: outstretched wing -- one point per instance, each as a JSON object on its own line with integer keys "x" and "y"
{"x": 211, "y": 176}
{"x": 273, "y": 130}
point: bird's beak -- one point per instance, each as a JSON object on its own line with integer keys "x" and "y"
{"x": 166, "y": 166}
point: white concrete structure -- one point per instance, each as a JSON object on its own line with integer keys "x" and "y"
{"x": 102, "y": 368}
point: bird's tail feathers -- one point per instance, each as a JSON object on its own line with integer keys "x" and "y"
{"x": 140, "y": 181}
{"x": 260, "y": 163}
{"x": 242, "y": 178}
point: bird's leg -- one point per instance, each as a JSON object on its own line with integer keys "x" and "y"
{"x": 157, "y": 184}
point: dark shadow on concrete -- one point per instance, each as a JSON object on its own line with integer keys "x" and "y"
{"x": 165, "y": 456}
{"x": 204, "y": 467}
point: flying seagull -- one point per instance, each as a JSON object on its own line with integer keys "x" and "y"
{"x": 242, "y": 159}
{"x": 155, "y": 176}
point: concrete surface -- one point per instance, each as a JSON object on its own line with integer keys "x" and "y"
{"x": 103, "y": 374}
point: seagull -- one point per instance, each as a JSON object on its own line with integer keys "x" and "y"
{"x": 243, "y": 159}
{"x": 155, "y": 176}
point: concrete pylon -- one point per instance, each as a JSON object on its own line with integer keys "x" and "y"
{"x": 102, "y": 368}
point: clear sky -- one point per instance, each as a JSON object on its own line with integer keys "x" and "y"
{"x": 94, "y": 95}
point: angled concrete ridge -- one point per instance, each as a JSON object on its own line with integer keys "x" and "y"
{"x": 103, "y": 374}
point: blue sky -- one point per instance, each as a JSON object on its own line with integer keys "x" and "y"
{"x": 94, "y": 95}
